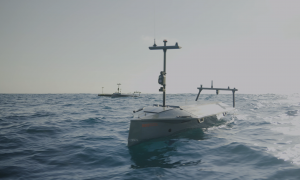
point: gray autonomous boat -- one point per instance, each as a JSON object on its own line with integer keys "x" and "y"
{"x": 164, "y": 120}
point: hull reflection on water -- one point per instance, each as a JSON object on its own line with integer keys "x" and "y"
{"x": 156, "y": 153}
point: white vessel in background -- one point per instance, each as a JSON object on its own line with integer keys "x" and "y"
{"x": 119, "y": 94}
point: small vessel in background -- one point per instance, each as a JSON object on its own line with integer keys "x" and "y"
{"x": 163, "y": 120}
{"x": 119, "y": 94}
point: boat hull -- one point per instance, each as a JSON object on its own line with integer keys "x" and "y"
{"x": 147, "y": 129}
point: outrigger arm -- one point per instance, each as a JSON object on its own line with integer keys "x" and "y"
{"x": 217, "y": 91}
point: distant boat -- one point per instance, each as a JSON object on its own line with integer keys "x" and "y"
{"x": 119, "y": 94}
{"x": 163, "y": 120}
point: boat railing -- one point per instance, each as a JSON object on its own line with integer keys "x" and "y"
{"x": 217, "y": 91}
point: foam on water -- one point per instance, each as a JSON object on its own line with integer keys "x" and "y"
{"x": 83, "y": 136}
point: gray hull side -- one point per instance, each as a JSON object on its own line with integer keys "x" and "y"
{"x": 147, "y": 129}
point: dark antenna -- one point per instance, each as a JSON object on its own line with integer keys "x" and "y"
{"x": 154, "y": 20}
{"x": 118, "y": 87}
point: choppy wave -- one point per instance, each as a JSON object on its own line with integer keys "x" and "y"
{"x": 83, "y": 136}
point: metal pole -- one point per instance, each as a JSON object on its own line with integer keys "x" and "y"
{"x": 198, "y": 94}
{"x": 164, "y": 90}
{"x": 233, "y": 98}
{"x": 102, "y": 90}
{"x": 164, "y": 48}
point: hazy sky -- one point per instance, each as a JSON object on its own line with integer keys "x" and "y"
{"x": 75, "y": 46}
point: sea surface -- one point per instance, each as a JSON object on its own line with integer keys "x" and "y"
{"x": 84, "y": 136}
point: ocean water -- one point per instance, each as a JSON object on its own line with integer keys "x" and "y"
{"x": 84, "y": 136}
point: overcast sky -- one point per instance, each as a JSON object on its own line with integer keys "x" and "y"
{"x": 75, "y": 46}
